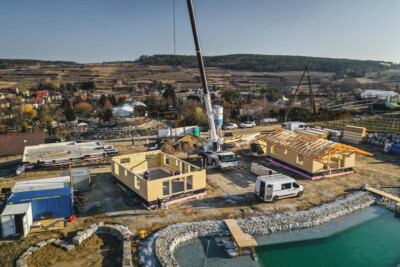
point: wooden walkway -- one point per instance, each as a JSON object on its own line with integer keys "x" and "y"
{"x": 239, "y": 238}
{"x": 386, "y": 197}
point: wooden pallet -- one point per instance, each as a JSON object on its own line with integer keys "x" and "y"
{"x": 44, "y": 225}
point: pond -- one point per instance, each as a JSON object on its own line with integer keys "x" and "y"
{"x": 370, "y": 237}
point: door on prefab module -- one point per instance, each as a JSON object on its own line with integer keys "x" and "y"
{"x": 8, "y": 225}
{"x": 262, "y": 189}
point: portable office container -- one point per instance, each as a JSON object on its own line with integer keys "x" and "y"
{"x": 46, "y": 204}
{"x": 42, "y": 184}
{"x": 81, "y": 179}
{"x": 16, "y": 219}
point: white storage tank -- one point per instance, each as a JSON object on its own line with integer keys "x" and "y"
{"x": 16, "y": 219}
{"x": 218, "y": 115}
{"x": 42, "y": 184}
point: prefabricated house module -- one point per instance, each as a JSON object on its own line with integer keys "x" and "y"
{"x": 154, "y": 174}
{"x": 311, "y": 157}
{"x": 16, "y": 219}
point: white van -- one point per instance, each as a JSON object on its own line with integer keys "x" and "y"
{"x": 294, "y": 125}
{"x": 270, "y": 188}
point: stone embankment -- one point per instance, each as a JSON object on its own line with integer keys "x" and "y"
{"x": 160, "y": 246}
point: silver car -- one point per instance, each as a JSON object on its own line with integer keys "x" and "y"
{"x": 230, "y": 126}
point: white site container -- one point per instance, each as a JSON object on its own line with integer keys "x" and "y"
{"x": 16, "y": 219}
{"x": 81, "y": 179}
{"x": 42, "y": 184}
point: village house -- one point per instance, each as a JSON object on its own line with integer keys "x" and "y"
{"x": 249, "y": 110}
{"x": 56, "y": 97}
{"x": 98, "y": 94}
{"x": 311, "y": 157}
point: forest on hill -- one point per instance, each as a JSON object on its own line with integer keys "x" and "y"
{"x": 351, "y": 67}
{"x": 12, "y": 63}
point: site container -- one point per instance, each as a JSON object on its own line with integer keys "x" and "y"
{"x": 42, "y": 184}
{"x": 46, "y": 204}
{"x": 81, "y": 179}
{"x": 16, "y": 219}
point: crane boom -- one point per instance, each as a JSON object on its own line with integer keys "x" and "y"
{"x": 207, "y": 99}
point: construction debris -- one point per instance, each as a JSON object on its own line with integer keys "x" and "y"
{"x": 260, "y": 170}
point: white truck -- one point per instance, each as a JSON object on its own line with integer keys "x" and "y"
{"x": 270, "y": 188}
{"x": 294, "y": 125}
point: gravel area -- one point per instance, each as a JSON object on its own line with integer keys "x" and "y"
{"x": 162, "y": 244}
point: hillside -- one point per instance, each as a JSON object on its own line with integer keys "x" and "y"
{"x": 356, "y": 68}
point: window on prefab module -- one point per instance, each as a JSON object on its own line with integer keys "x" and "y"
{"x": 273, "y": 149}
{"x": 300, "y": 159}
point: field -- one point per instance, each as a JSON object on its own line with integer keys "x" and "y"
{"x": 229, "y": 195}
{"x": 106, "y": 75}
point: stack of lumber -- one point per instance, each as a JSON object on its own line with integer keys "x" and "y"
{"x": 259, "y": 169}
{"x": 241, "y": 139}
{"x": 333, "y": 132}
{"x": 354, "y": 134}
{"x": 317, "y": 133}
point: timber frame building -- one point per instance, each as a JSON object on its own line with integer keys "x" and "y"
{"x": 154, "y": 174}
{"x": 308, "y": 156}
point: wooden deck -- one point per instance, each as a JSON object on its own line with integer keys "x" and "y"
{"x": 239, "y": 238}
{"x": 386, "y": 197}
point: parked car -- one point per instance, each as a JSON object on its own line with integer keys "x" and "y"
{"x": 247, "y": 124}
{"x": 230, "y": 126}
{"x": 270, "y": 188}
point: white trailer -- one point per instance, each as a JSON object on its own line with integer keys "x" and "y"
{"x": 16, "y": 219}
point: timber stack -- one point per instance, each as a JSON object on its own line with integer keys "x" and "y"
{"x": 354, "y": 134}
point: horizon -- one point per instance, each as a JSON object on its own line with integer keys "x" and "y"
{"x": 135, "y": 60}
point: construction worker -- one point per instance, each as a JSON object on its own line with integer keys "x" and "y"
{"x": 133, "y": 141}
{"x": 158, "y": 205}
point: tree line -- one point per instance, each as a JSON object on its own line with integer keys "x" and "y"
{"x": 10, "y": 63}
{"x": 252, "y": 62}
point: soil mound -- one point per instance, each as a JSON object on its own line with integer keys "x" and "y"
{"x": 188, "y": 143}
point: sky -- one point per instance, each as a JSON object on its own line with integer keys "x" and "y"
{"x": 89, "y": 31}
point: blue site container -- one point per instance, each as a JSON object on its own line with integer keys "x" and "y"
{"x": 46, "y": 204}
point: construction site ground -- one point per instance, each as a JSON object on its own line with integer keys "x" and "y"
{"x": 229, "y": 194}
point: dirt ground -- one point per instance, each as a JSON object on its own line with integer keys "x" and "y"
{"x": 228, "y": 194}
{"x": 98, "y": 250}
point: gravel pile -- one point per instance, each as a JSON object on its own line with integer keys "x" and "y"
{"x": 162, "y": 244}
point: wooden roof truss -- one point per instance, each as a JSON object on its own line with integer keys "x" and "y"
{"x": 316, "y": 148}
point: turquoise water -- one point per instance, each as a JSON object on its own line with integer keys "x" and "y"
{"x": 372, "y": 243}
{"x": 370, "y": 237}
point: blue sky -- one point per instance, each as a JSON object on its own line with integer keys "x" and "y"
{"x": 99, "y": 30}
